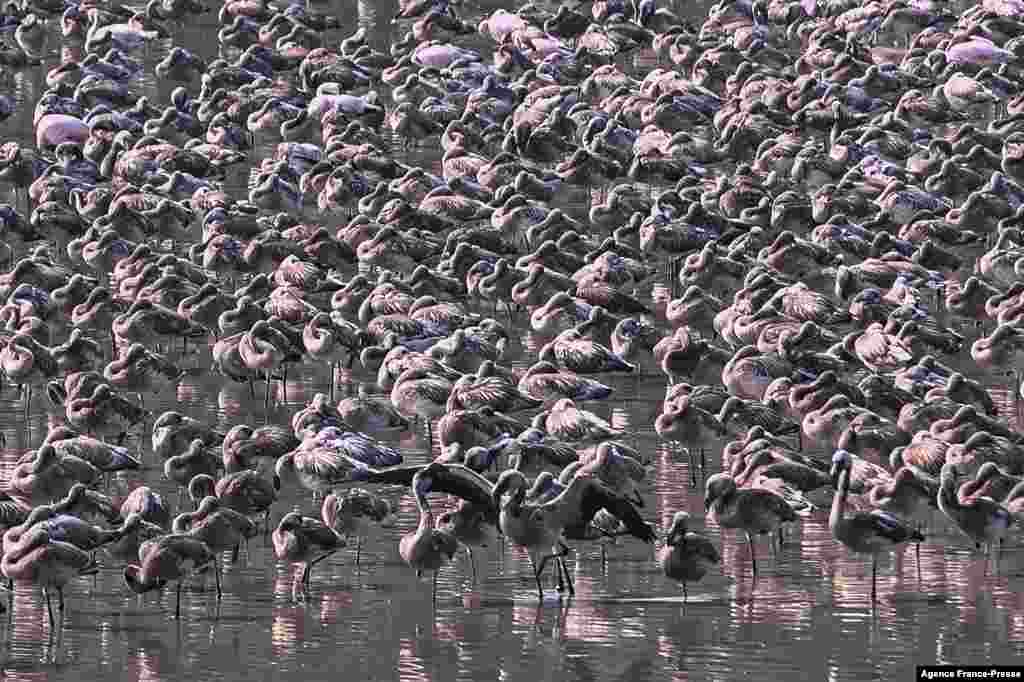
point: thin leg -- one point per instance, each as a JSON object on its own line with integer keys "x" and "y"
{"x": 177, "y": 605}
{"x": 536, "y": 574}
{"x": 216, "y": 575}
{"x": 359, "y": 547}
{"x": 49, "y": 608}
{"x": 558, "y": 573}
{"x": 334, "y": 371}
{"x": 780, "y": 537}
{"x": 874, "y": 573}
{"x": 568, "y": 578}
{"x": 60, "y": 602}
{"x": 917, "y": 551}
{"x": 564, "y": 579}
{"x": 472, "y": 562}
{"x": 753, "y": 557}
{"x": 693, "y": 467}
{"x": 686, "y": 594}
{"x": 311, "y": 564}
{"x": 433, "y": 592}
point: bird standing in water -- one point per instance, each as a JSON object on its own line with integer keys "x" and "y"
{"x": 686, "y": 556}
{"x": 427, "y": 548}
{"x": 304, "y": 539}
{"x": 864, "y": 532}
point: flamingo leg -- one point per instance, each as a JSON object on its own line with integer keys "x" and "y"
{"x": 686, "y": 594}
{"x": 753, "y": 557}
{"x": 540, "y": 569}
{"x": 874, "y": 575}
{"x": 564, "y": 552}
{"x": 433, "y": 594}
{"x": 359, "y": 547}
{"x": 49, "y": 607}
{"x": 334, "y": 371}
{"x": 536, "y": 577}
{"x": 472, "y": 562}
{"x": 177, "y": 604}
{"x": 311, "y": 564}
{"x": 216, "y": 575}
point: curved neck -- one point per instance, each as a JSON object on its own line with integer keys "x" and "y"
{"x": 572, "y": 494}
{"x": 426, "y": 515}
{"x": 839, "y": 501}
{"x": 948, "y": 490}
{"x": 182, "y": 522}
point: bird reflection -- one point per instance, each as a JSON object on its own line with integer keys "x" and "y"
{"x": 335, "y": 606}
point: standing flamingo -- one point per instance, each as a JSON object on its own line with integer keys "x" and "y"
{"x": 305, "y": 539}
{"x": 262, "y": 349}
{"x": 864, "y": 532}
{"x": 169, "y": 558}
{"x": 686, "y": 555}
{"x": 426, "y": 548}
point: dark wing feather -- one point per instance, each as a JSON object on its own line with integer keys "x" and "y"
{"x": 888, "y": 526}
{"x": 396, "y": 475}
{"x": 597, "y": 497}
{"x": 466, "y": 484}
{"x": 319, "y": 534}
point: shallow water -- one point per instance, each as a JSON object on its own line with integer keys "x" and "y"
{"x": 807, "y": 616}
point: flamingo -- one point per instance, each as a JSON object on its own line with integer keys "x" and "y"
{"x": 169, "y": 558}
{"x": 49, "y": 563}
{"x": 686, "y": 556}
{"x": 864, "y": 532}
{"x": 352, "y": 513}
{"x": 427, "y": 548}
{"x": 304, "y": 539}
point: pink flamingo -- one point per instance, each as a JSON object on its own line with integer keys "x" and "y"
{"x": 262, "y": 349}
{"x": 53, "y": 129}
{"x": 38, "y": 559}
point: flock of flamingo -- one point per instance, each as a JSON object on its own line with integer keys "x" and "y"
{"x": 835, "y": 188}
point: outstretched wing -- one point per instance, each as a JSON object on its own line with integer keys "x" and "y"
{"x": 597, "y": 497}
{"x": 466, "y": 484}
{"x": 396, "y": 475}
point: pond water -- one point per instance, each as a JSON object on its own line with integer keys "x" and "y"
{"x": 807, "y": 615}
